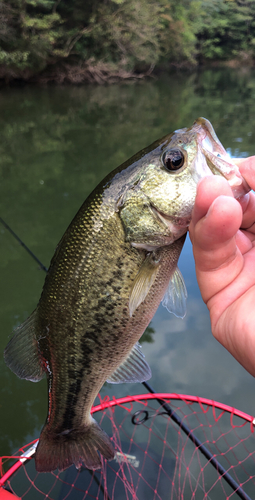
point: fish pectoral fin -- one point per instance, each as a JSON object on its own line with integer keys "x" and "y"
{"x": 133, "y": 369}
{"x": 21, "y": 353}
{"x": 143, "y": 282}
{"x": 175, "y": 297}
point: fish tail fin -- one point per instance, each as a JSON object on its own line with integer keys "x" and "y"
{"x": 78, "y": 447}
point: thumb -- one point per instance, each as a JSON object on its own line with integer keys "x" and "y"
{"x": 218, "y": 260}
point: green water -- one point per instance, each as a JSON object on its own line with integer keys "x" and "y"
{"x": 56, "y": 144}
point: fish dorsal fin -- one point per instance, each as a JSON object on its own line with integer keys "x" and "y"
{"x": 133, "y": 369}
{"x": 21, "y": 353}
{"x": 143, "y": 282}
{"x": 175, "y": 297}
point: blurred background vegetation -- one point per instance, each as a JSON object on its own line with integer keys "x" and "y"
{"x": 104, "y": 40}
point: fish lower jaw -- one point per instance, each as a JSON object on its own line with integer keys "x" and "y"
{"x": 145, "y": 246}
{"x": 177, "y": 232}
{"x": 175, "y": 228}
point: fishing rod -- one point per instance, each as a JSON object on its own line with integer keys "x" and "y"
{"x": 23, "y": 245}
{"x": 173, "y": 415}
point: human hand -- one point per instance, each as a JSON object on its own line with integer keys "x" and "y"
{"x": 222, "y": 232}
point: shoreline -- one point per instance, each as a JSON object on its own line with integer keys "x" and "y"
{"x": 101, "y": 73}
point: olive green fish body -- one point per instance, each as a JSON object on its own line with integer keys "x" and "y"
{"x": 111, "y": 269}
{"x": 84, "y": 309}
{"x": 91, "y": 334}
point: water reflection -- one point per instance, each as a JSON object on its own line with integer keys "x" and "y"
{"x": 148, "y": 335}
{"x": 56, "y": 144}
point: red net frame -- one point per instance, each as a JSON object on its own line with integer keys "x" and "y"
{"x": 155, "y": 458}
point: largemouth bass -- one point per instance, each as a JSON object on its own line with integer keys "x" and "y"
{"x": 115, "y": 263}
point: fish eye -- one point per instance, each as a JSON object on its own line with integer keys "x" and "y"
{"x": 173, "y": 160}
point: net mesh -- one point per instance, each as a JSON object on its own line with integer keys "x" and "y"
{"x": 155, "y": 458}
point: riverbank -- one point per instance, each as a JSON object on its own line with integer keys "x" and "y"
{"x": 104, "y": 41}
{"x": 106, "y": 73}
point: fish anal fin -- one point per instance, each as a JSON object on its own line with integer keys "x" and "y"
{"x": 21, "y": 353}
{"x": 133, "y": 369}
{"x": 143, "y": 282}
{"x": 77, "y": 446}
{"x": 175, "y": 297}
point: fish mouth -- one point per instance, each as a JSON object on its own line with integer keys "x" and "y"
{"x": 176, "y": 228}
{"x": 218, "y": 160}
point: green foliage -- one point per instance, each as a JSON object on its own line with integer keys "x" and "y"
{"x": 178, "y": 33}
{"x": 228, "y": 29}
{"x": 120, "y": 36}
{"x": 147, "y": 336}
{"x": 126, "y": 32}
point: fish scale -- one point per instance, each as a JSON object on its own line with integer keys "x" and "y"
{"x": 115, "y": 263}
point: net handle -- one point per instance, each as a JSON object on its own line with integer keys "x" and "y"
{"x": 23, "y": 458}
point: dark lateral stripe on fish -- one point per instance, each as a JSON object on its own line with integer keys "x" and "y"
{"x": 71, "y": 402}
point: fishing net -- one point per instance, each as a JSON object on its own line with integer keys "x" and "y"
{"x": 168, "y": 446}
